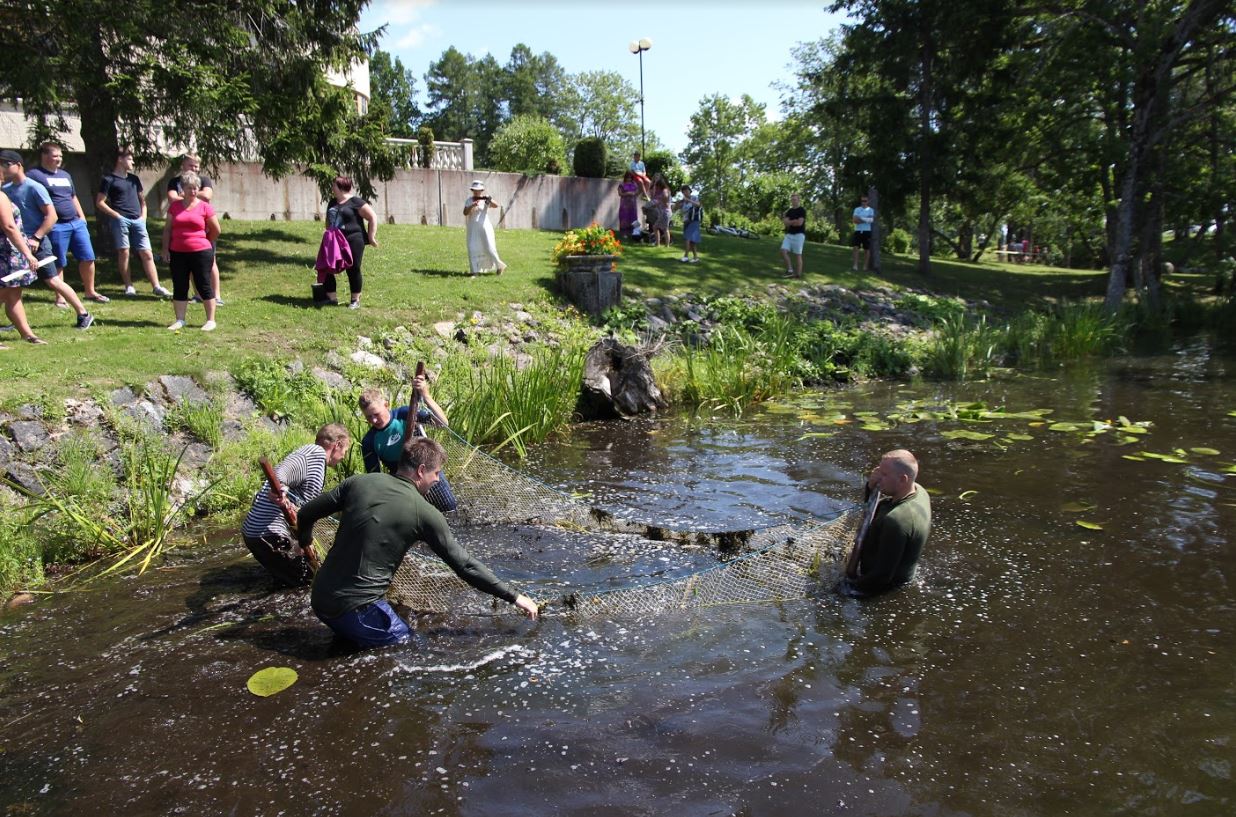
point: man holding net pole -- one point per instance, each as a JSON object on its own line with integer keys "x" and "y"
{"x": 268, "y": 529}
{"x": 894, "y": 530}
{"x": 382, "y": 516}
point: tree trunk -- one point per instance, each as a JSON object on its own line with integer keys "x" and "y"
{"x": 926, "y": 158}
{"x": 1123, "y": 239}
{"x": 873, "y": 200}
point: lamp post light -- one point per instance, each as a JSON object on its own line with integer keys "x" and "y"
{"x": 639, "y": 47}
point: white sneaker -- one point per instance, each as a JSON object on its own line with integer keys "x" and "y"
{"x": 130, "y": 291}
{"x": 209, "y": 326}
{"x": 684, "y": 259}
{"x": 162, "y": 292}
{"x": 176, "y": 327}
{"x": 695, "y": 260}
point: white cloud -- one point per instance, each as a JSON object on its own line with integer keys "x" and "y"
{"x": 405, "y": 28}
{"x": 415, "y": 36}
{"x": 402, "y": 12}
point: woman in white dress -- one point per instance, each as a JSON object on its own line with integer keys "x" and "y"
{"x": 482, "y": 250}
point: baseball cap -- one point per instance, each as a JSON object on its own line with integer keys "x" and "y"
{"x": 12, "y": 157}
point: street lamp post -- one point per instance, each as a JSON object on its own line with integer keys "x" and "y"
{"x": 639, "y": 47}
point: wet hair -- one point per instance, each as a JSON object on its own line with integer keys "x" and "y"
{"x": 332, "y": 433}
{"x": 371, "y": 397}
{"x": 191, "y": 180}
{"x": 420, "y": 451}
{"x": 344, "y": 183}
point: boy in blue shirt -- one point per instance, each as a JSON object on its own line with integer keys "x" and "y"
{"x": 382, "y": 446}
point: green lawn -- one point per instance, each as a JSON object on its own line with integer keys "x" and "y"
{"x": 415, "y": 278}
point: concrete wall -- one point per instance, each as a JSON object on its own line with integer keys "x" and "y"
{"x": 414, "y": 196}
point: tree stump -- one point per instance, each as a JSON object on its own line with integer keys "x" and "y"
{"x": 618, "y": 383}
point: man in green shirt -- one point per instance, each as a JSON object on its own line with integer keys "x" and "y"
{"x": 889, "y": 550}
{"x": 383, "y": 515}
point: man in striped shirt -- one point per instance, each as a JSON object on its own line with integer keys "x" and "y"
{"x": 303, "y": 472}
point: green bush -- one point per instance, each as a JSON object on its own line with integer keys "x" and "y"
{"x": 424, "y": 138}
{"x": 527, "y": 144}
{"x": 665, "y": 164}
{"x": 21, "y": 556}
{"x": 897, "y": 241}
{"x": 590, "y": 158}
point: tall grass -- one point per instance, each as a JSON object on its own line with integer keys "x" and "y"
{"x": 140, "y": 532}
{"x": 962, "y": 349}
{"x": 491, "y": 401}
{"x": 203, "y": 420}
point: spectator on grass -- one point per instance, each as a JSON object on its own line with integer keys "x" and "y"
{"x": 38, "y": 216}
{"x": 188, "y": 246}
{"x": 17, "y": 269}
{"x": 661, "y": 200}
{"x": 192, "y": 164}
{"x": 795, "y": 221}
{"x": 628, "y": 211}
{"x": 692, "y": 215}
{"x": 359, "y": 223}
{"x": 862, "y": 217}
{"x": 120, "y": 199}
{"x": 482, "y": 246}
{"x": 70, "y": 233}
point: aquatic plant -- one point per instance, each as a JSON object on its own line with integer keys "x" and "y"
{"x": 21, "y": 555}
{"x": 140, "y": 532}
{"x": 492, "y": 401}
{"x": 962, "y": 349}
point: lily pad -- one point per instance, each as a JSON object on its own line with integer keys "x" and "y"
{"x": 1067, "y": 427}
{"x": 1082, "y": 523}
{"x": 1205, "y": 452}
{"x": 962, "y": 434}
{"x": 267, "y": 682}
{"x": 966, "y": 494}
{"x": 1018, "y": 437}
{"x": 818, "y": 434}
{"x": 1077, "y": 507}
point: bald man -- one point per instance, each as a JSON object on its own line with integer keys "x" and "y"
{"x": 889, "y": 550}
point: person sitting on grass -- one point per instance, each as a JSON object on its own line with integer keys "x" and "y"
{"x": 382, "y": 517}
{"x": 381, "y": 446}
{"x": 303, "y": 473}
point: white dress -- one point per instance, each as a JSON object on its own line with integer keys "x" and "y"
{"x": 482, "y": 249}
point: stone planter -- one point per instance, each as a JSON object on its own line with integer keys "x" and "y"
{"x": 591, "y": 282}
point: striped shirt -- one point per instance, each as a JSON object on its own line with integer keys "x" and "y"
{"x": 302, "y": 473}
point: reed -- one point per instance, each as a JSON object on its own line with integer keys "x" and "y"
{"x": 494, "y": 402}
{"x": 962, "y": 349}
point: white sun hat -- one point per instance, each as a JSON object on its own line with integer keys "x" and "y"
{"x": 477, "y": 185}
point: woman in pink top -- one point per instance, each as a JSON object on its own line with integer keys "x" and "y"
{"x": 188, "y": 236}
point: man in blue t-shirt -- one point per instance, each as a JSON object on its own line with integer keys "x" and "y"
{"x": 863, "y": 217}
{"x": 70, "y": 232}
{"x": 37, "y": 219}
{"x": 120, "y": 199}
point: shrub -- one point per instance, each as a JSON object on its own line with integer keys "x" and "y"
{"x": 591, "y": 240}
{"x": 424, "y": 137}
{"x": 663, "y": 163}
{"x": 897, "y": 241}
{"x": 527, "y": 144}
{"x": 590, "y": 156}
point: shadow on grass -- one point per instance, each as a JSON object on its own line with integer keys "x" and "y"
{"x": 306, "y": 302}
{"x": 441, "y": 273}
{"x": 264, "y": 256}
{"x": 250, "y": 237}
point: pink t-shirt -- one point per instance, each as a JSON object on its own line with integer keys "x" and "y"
{"x": 189, "y": 226}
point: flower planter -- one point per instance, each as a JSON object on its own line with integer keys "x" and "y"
{"x": 591, "y": 282}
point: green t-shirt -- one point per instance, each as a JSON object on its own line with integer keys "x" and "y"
{"x": 893, "y": 543}
{"x": 382, "y": 517}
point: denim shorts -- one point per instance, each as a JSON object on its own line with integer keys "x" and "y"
{"x": 71, "y": 237}
{"x": 374, "y": 625}
{"x": 130, "y": 233}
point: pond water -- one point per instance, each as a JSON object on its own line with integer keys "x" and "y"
{"x": 1034, "y": 667}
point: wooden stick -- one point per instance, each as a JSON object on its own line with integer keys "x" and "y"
{"x": 414, "y": 406}
{"x": 276, "y": 488}
{"x": 851, "y": 563}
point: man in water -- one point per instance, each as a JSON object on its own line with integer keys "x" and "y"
{"x": 383, "y": 515}
{"x": 889, "y": 550}
{"x": 303, "y": 472}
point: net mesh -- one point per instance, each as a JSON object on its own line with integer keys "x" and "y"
{"x": 585, "y": 562}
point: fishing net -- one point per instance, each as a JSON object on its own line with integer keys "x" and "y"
{"x": 586, "y": 562}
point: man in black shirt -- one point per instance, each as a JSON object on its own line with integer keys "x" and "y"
{"x": 795, "y": 220}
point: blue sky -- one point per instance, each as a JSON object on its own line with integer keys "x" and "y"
{"x": 698, "y": 48}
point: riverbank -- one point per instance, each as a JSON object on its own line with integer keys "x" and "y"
{"x": 726, "y": 332}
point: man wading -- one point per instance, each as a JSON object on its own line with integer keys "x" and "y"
{"x": 383, "y": 515}
{"x": 888, "y": 553}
